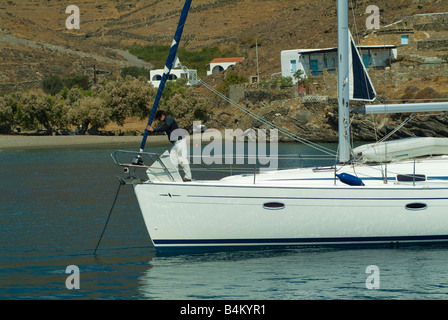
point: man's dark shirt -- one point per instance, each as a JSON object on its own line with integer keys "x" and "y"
{"x": 169, "y": 126}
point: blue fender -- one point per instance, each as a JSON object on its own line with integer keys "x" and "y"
{"x": 351, "y": 180}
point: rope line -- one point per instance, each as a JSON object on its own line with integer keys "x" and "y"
{"x": 264, "y": 121}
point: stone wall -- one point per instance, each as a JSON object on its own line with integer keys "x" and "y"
{"x": 433, "y": 45}
{"x": 21, "y": 86}
{"x": 430, "y": 21}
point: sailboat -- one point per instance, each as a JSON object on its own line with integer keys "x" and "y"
{"x": 353, "y": 202}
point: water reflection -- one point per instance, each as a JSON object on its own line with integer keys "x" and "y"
{"x": 301, "y": 273}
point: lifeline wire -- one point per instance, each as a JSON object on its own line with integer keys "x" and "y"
{"x": 262, "y": 120}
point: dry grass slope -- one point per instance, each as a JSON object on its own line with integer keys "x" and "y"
{"x": 279, "y": 24}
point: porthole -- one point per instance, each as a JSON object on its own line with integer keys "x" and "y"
{"x": 416, "y": 206}
{"x": 274, "y": 206}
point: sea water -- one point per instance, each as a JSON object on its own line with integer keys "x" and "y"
{"x": 53, "y": 208}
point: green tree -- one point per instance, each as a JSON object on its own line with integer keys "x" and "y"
{"x": 34, "y": 109}
{"x": 299, "y": 75}
{"x": 135, "y": 72}
{"x": 8, "y": 108}
{"x": 80, "y": 81}
{"x": 58, "y": 112}
{"x": 90, "y": 114}
{"x": 126, "y": 97}
{"x": 187, "y": 105}
{"x": 52, "y": 84}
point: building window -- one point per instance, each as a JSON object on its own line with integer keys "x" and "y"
{"x": 293, "y": 66}
{"x": 404, "y": 40}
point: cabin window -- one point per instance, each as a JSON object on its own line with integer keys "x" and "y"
{"x": 274, "y": 206}
{"x": 416, "y": 206}
{"x": 411, "y": 178}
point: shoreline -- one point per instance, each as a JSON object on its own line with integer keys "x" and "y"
{"x": 35, "y": 142}
{"x": 18, "y": 142}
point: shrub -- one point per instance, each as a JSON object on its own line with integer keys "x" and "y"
{"x": 232, "y": 79}
{"x": 54, "y": 84}
{"x": 135, "y": 72}
{"x": 285, "y": 82}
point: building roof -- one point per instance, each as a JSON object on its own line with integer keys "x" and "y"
{"x": 227, "y": 60}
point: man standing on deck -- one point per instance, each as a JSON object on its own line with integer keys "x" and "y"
{"x": 178, "y": 153}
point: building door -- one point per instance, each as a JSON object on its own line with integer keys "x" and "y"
{"x": 217, "y": 69}
{"x": 366, "y": 59}
{"x": 314, "y": 65}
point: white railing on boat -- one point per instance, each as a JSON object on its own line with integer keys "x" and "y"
{"x": 150, "y": 162}
{"x": 159, "y": 166}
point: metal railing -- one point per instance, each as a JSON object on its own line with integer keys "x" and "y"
{"x": 150, "y": 162}
{"x": 138, "y": 158}
{"x": 156, "y": 165}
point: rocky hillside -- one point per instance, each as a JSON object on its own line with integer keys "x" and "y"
{"x": 35, "y": 43}
{"x": 34, "y": 40}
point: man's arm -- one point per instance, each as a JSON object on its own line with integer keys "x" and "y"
{"x": 168, "y": 122}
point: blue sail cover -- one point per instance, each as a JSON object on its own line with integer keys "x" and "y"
{"x": 169, "y": 65}
{"x": 361, "y": 87}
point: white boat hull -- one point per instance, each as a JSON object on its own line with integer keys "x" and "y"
{"x": 233, "y": 212}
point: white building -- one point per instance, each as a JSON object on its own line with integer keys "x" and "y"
{"x": 156, "y": 75}
{"x": 314, "y": 61}
{"x": 221, "y": 64}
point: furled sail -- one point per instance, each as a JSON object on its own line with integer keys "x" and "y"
{"x": 169, "y": 65}
{"x": 361, "y": 87}
{"x": 404, "y": 108}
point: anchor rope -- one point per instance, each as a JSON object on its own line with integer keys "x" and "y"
{"x": 108, "y": 217}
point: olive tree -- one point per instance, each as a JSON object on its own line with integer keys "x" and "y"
{"x": 126, "y": 97}
{"x": 89, "y": 114}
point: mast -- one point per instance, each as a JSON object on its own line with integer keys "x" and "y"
{"x": 343, "y": 82}
{"x": 169, "y": 65}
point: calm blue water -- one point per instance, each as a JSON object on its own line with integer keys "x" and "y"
{"x": 53, "y": 207}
